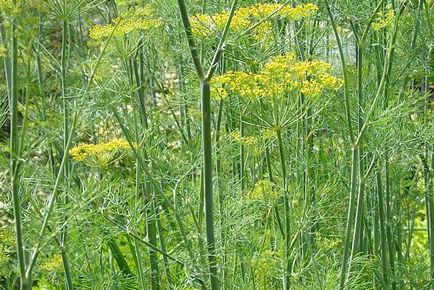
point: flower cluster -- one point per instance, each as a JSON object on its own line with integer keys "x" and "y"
{"x": 280, "y": 76}
{"x": 267, "y": 265}
{"x": 6, "y": 6}
{"x": 204, "y": 25}
{"x": 244, "y": 140}
{"x": 83, "y": 151}
{"x": 53, "y": 264}
{"x": 237, "y": 82}
{"x": 137, "y": 19}
{"x": 384, "y": 19}
{"x": 264, "y": 190}
{"x": 327, "y": 243}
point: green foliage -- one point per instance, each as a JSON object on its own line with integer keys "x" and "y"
{"x": 108, "y": 149}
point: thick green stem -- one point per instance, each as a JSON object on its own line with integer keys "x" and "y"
{"x": 190, "y": 38}
{"x": 428, "y": 178}
{"x": 207, "y": 177}
{"x": 287, "y": 279}
{"x": 206, "y": 129}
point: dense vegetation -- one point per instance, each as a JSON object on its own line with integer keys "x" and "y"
{"x": 193, "y": 144}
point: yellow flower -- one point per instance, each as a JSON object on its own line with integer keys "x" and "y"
{"x": 267, "y": 265}
{"x": 264, "y": 190}
{"x": 205, "y": 25}
{"x": 327, "y": 243}
{"x": 240, "y": 83}
{"x": 83, "y": 151}
{"x": 298, "y": 12}
{"x": 220, "y": 92}
{"x": 280, "y": 76}
{"x": 6, "y": 6}
{"x": 53, "y": 264}
{"x": 138, "y": 19}
{"x": 268, "y": 133}
{"x": 244, "y": 140}
{"x": 384, "y": 20}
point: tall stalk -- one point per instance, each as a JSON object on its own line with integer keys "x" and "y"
{"x": 14, "y": 157}
{"x": 64, "y": 232}
{"x": 208, "y": 188}
{"x": 354, "y": 154}
{"x": 287, "y": 280}
{"x": 205, "y": 92}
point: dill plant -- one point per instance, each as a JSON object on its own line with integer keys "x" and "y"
{"x": 216, "y": 144}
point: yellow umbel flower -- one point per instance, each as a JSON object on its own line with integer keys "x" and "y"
{"x": 137, "y": 19}
{"x": 264, "y": 190}
{"x": 205, "y": 25}
{"x": 6, "y": 6}
{"x": 240, "y": 83}
{"x": 243, "y": 140}
{"x": 267, "y": 265}
{"x": 220, "y": 92}
{"x": 280, "y": 76}
{"x": 327, "y": 242}
{"x": 384, "y": 19}
{"x": 83, "y": 151}
{"x": 54, "y": 264}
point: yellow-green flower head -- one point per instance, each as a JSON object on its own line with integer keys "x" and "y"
{"x": 384, "y": 19}
{"x": 279, "y": 64}
{"x": 219, "y": 92}
{"x": 83, "y": 151}
{"x": 327, "y": 243}
{"x": 298, "y": 12}
{"x": 6, "y": 6}
{"x": 133, "y": 20}
{"x": 280, "y": 76}
{"x": 267, "y": 265}
{"x": 268, "y": 133}
{"x": 243, "y": 140}
{"x": 54, "y": 264}
{"x": 205, "y": 25}
{"x": 264, "y": 33}
{"x": 239, "y": 83}
{"x": 264, "y": 190}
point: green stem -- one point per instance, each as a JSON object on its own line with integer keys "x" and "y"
{"x": 190, "y": 39}
{"x": 344, "y": 72}
{"x": 152, "y": 237}
{"x": 14, "y": 159}
{"x": 206, "y": 129}
{"x": 350, "y": 218}
{"x": 383, "y": 238}
{"x": 287, "y": 279}
{"x": 388, "y": 217}
{"x": 207, "y": 177}
{"x": 64, "y": 232}
{"x": 162, "y": 243}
